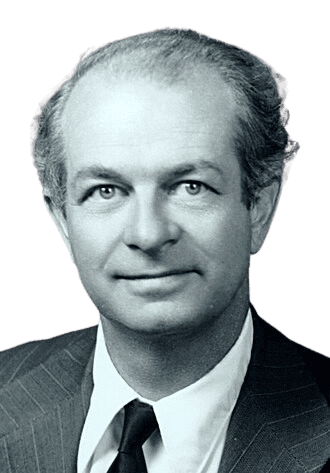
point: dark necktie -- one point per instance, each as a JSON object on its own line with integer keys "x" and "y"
{"x": 139, "y": 423}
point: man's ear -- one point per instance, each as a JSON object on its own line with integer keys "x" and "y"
{"x": 261, "y": 214}
{"x": 59, "y": 218}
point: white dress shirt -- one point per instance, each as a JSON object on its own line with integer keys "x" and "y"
{"x": 193, "y": 422}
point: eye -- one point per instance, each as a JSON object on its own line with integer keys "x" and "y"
{"x": 189, "y": 187}
{"x": 103, "y": 192}
{"x": 193, "y": 187}
{"x": 106, "y": 192}
{"x": 193, "y": 192}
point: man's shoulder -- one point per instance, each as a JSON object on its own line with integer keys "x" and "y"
{"x": 17, "y": 362}
{"x": 273, "y": 340}
{"x": 281, "y": 352}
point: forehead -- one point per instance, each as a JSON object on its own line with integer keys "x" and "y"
{"x": 140, "y": 118}
{"x": 202, "y": 89}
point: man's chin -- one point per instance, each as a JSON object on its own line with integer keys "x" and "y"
{"x": 163, "y": 318}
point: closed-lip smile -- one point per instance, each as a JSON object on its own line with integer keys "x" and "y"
{"x": 155, "y": 285}
{"x": 162, "y": 274}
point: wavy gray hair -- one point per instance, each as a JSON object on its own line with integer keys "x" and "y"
{"x": 261, "y": 140}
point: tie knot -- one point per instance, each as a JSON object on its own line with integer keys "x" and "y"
{"x": 140, "y": 421}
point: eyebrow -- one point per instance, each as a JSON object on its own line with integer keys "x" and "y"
{"x": 183, "y": 169}
{"x": 108, "y": 173}
{"x": 96, "y": 172}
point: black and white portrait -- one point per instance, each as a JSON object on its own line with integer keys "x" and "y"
{"x": 165, "y": 240}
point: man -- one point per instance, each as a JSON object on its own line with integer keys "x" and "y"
{"x": 161, "y": 162}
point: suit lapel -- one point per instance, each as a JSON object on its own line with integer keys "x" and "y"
{"x": 252, "y": 446}
{"x": 48, "y": 406}
{"x": 72, "y": 415}
{"x": 280, "y": 419}
{"x": 274, "y": 419}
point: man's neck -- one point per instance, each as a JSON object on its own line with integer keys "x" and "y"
{"x": 157, "y": 365}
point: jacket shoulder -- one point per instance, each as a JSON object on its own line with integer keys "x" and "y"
{"x": 18, "y": 361}
{"x": 278, "y": 349}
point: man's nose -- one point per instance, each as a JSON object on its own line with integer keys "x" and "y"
{"x": 149, "y": 226}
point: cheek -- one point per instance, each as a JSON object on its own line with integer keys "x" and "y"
{"x": 225, "y": 243}
{"x": 238, "y": 234}
{"x": 224, "y": 234}
{"x": 90, "y": 242}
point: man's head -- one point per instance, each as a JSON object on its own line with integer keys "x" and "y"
{"x": 159, "y": 201}
{"x": 169, "y": 57}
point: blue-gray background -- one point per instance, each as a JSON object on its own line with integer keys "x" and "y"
{"x": 41, "y": 295}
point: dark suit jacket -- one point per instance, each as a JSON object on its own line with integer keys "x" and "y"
{"x": 281, "y": 422}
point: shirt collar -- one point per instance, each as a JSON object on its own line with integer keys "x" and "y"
{"x": 191, "y": 420}
{"x": 186, "y": 419}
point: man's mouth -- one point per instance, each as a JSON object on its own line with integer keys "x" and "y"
{"x": 149, "y": 275}
{"x": 155, "y": 285}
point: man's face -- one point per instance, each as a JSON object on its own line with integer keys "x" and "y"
{"x": 155, "y": 218}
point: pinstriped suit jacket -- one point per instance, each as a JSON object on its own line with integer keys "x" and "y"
{"x": 281, "y": 422}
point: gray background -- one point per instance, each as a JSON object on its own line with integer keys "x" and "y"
{"x": 41, "y": 41}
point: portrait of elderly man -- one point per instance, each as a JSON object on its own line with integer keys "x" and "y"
{"x": 161, "y": 162}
